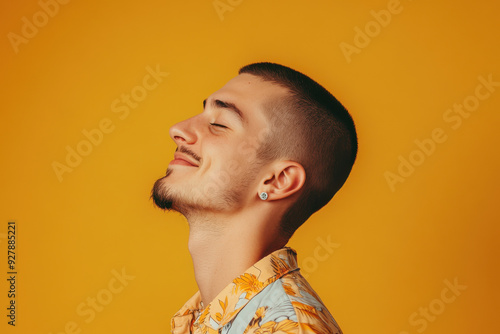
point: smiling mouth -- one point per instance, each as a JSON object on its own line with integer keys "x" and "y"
{"x": 183, "y": 160}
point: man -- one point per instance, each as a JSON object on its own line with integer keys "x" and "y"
{"x": 270, "y": 148}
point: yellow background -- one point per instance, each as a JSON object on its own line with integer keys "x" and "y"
{"x": 394, "y": 249}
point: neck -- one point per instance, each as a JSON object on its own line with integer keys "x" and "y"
{"x": 222, "y": 248}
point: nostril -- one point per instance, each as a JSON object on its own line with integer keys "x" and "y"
{"x": 183, "y": 132}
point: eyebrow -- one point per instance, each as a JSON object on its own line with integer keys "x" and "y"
{"x": 226, "y": 105}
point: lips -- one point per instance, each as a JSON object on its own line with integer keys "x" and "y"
{"x": 181, "y": 159}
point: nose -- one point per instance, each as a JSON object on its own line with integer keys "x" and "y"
{"x": 184, "y": 132}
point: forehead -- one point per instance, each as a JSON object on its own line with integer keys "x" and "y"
{"x": 250, "y": 94}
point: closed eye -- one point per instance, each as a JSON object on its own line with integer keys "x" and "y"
{"x": 218, "y": 125}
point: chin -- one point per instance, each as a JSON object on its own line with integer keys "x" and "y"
{"x": 160, "y": 195}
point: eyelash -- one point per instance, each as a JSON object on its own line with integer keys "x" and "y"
{"x": 218, "y": 125}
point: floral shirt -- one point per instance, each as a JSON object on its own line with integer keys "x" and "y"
{"x": 270, "y": 297}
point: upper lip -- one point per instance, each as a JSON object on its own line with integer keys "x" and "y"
{"x": 180, "y": 156}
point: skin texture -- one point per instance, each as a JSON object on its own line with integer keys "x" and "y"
{"x": 215, "y": 180}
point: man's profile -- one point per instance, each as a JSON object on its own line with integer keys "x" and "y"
{"x": 270, "y": 148}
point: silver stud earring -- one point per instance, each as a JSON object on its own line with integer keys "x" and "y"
{"x": 263, "y": 195}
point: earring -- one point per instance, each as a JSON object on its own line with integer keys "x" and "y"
{"x": 263, "y": 195}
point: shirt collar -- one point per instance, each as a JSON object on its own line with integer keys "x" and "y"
{"x": 235, "y": 295}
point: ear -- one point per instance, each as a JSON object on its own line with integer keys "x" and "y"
{"x": 287, "y": 177}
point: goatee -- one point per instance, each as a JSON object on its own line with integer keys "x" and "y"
{"x": 160, "y": 195}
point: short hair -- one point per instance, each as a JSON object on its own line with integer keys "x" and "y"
{"x": 311, "y": 127}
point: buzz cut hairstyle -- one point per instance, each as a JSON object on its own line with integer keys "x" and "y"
{"x": 311, "y": 127}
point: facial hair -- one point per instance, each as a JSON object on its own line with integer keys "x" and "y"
{"x": 212, "y": 197}
{"x": 161, "y": 195}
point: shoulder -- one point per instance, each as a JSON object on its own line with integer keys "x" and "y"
{"x": 288, "y": 305}
{"x": 312, "y": 314}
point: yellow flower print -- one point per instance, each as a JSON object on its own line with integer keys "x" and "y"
{"x": 203, "y": 316}
{"x": 223, "y": 305}
{"x": 310, "y": 320}
{"x": 257, "y": 318}
{"x": 248, "y": 283}
{"x": 283, "y": 327}
{"x": 291, "y": 290}
{"x": 280, "y": 266}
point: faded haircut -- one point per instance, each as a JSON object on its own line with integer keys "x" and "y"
{"x": 311, "y": 127}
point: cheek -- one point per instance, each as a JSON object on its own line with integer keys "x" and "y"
{"x": 246, "y": 154}
{"x": 217, "y": 175}
{"x": 230, "y": 155}
{"x": 234, "y": 167}
{"x": 225, "y": 164}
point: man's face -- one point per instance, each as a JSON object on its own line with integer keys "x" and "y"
{"x": 215, "y": 168}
